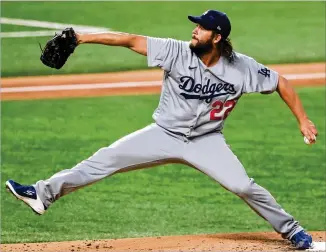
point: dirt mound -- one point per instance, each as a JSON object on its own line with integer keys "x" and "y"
{"x": 264, "y": 241}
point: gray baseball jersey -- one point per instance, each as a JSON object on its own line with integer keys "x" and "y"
{"x": 194, "y": 103}
{"x": 196, "y": 99}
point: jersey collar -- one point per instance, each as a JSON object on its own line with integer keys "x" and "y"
{"x": 217, "y": 69}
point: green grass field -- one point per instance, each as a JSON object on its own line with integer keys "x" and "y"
{"x": 42, "y": 137}
{"x": 271, "y": 32}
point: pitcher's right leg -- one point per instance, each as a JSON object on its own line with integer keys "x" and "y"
{"x": 146, "y": 147}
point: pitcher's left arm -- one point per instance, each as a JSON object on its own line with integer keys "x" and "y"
{"x": 290, "y": 97}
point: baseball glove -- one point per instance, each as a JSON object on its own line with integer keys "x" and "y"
{"x": 58, "y": 49}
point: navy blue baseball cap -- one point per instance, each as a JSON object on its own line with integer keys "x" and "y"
{"x": 214, "y": 20}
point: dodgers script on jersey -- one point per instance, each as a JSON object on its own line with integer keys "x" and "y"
{"x": 196, "y": 99}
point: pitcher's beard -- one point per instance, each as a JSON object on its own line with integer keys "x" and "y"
{"x": 201, "y": 49}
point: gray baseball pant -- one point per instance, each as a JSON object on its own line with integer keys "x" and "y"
{"x": 154, "y": 145}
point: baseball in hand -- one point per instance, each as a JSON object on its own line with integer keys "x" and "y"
{"x": 307, "y": 141}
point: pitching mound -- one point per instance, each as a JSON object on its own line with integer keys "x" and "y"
{"x": 213, "y": 242}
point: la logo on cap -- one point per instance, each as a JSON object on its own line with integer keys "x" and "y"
{"x": 218, "y": 28}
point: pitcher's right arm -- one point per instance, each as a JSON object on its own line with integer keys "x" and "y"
{"x": 134, "y": 42}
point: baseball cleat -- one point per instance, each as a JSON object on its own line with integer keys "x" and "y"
{"x": 27, "y": 194}
{"x": 301, "y": 240}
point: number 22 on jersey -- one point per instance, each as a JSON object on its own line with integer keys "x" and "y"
{"x": 220, "y": 110}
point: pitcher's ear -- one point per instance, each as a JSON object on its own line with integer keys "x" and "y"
{"x": 217, "y": 38}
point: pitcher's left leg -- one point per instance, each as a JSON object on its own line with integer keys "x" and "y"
{"x": 211, "y": 155}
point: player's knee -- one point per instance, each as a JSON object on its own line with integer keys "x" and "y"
{"x": 242, "y": 190}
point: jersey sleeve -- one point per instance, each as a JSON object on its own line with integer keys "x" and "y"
{"x": 259, "y": 78}
{"x": 162, "y": 52}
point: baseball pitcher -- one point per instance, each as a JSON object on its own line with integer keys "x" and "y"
{"x": 202, "y": 83}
